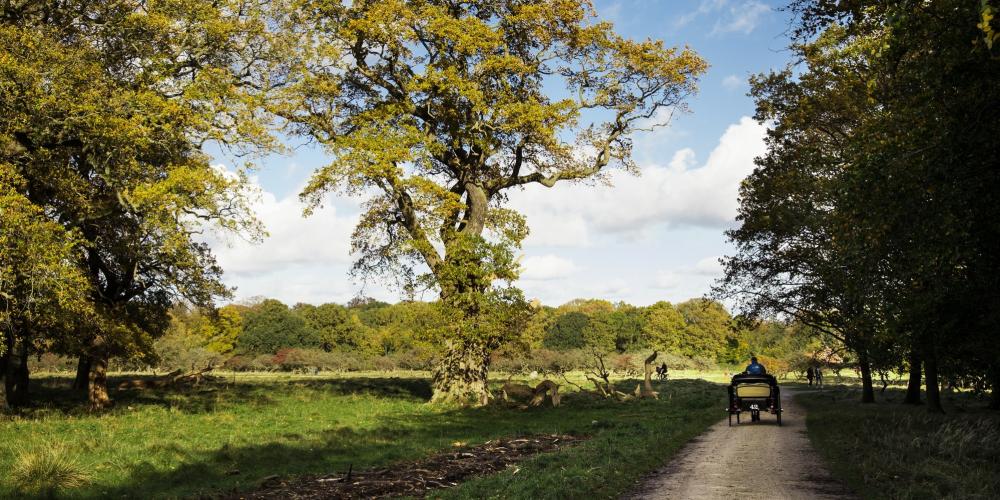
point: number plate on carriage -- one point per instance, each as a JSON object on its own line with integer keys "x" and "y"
{"x": 754, "y": 407}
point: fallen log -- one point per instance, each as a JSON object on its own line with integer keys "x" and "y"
{"x": 176, "y": 377}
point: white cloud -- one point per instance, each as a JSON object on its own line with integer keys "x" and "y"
{"x": 742, "y": 18}
{"x": 705, "y": 7}
{"x": 733, "y": 16}
{"x": 709, "y": 266}
{"x": 678, "y": 194}
{"x": 301, "y": 260}
{"x": 323, "y": 238}
{"x": 546, "y": 267}
{"x": 666, "y": 280}
{"x": 732, "y": 82}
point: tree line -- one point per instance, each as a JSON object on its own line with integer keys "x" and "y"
{"x": 873, "y": 216}
{"x": 261, "y": 333}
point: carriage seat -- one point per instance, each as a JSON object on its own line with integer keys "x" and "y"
{"x": 756, "y": 390}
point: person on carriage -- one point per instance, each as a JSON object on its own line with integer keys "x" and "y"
{"x": 753, "y": 370}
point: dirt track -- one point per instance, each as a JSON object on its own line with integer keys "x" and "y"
{"x": 751, "y": 460}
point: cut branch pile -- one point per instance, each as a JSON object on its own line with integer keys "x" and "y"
{"x": 172, "y": 379}
{"x": 414, "y": 479}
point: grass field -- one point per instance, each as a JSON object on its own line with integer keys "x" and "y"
{"x": 231, "y": 433}
{"x": 888, "y": 450}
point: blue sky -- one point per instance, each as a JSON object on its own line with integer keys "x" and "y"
{"x": 646, "y": 238}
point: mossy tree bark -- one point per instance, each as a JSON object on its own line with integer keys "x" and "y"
{"x": 97, "y": 387}
{"x": 462, "y": 374}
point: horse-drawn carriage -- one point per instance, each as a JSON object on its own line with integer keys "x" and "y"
{"x": 754, "y": 394}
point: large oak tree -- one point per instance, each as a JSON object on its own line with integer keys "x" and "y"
{"x": 434, "y": 109}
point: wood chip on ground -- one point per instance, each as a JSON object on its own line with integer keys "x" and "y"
{"x": 413, "y": 479}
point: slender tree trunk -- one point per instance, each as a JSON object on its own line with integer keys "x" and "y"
{"x": 933, "y": 390}
{"x": 867, "y": 388}
{"x": 81, "y": 382}
{"x": 913, "y": 386}
{"x": 97, "y": 392}
{"x": 994, "y": 386}
{"x": 462, "y": 373}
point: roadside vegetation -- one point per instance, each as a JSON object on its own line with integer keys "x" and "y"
{"x": 226, "y": 435}
{"x": 888, "y": 450}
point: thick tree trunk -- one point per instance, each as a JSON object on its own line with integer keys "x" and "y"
{"x": 21, "y": 376}
{"x": 933, "y": 390}
{"x": 4, "y": 365}
{"x": 461, "y": 374}
{"x": 81, "y": 382}
{"x": 913, "y": 387}
{"x": 15, "y": 374}
{"x": 97, "y": 392}
{"x": 867, "y": 388}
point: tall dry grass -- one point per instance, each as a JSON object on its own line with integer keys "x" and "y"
{"x": 45, "y": 471}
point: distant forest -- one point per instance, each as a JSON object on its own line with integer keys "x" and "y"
{"x": 266, "y": 334}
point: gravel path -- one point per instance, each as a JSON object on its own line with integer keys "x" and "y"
{"x": 747, "y": 461}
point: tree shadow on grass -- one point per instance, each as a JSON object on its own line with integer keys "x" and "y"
{"x": 54, "y": 394}
{"x": 395, "y": 437}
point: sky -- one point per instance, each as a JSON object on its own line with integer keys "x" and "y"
{"x": 655, "y": 236}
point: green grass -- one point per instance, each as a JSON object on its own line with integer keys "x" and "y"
{"x": 230, "y": 434}
{"x": 889, "y": 450}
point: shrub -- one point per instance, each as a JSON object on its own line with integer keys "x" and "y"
{"x": 239, "y": 363}
{"x": 45, "y": 471}
{"x": 625, "y": 364}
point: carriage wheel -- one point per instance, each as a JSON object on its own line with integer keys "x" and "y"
{"x": 730, "y": 419}
{"x": 779, "y": 415}
{"x": 737, "y": 418}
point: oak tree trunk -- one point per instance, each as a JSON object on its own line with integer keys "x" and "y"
{"x": 81, "y": 382}
{"x": 4, "y": 364}
{"x": 15, "y": 373}
{"x": 933, "y": 389}
{"x": 461, "y": 375}
{"x": 21, "y": 376}
{"x": 913, "y": 386}
{"x": 867, "y": 389}
{"x": 97, "y": 390}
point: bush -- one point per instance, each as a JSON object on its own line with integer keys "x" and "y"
{"x": 625, "y": 364}
{"x": 45, "y": 471}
